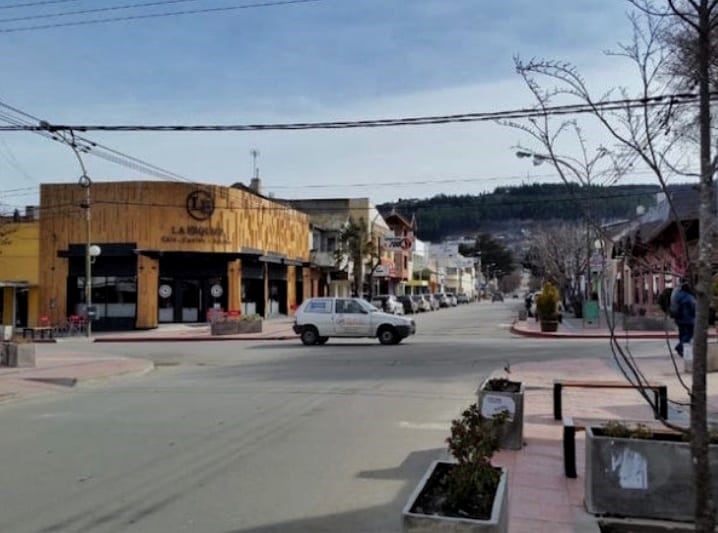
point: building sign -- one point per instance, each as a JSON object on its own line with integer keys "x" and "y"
{"x": 398, "y": 243}
{"x": 200, "y": 205}
{"x": 195, "y": 234}
{"x": 383, "y": 271}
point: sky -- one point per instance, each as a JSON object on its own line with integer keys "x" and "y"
{"x": 317, "y": 61}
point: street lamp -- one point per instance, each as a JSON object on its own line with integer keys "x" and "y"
{"x": 538, "y": 159}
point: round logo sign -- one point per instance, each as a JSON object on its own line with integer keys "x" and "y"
{"x": 165, "y": 291}
{"x": 216, "y": 291}
{"x": 200, "y": 205}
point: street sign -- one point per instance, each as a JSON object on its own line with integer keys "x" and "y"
{"x": 398, "y": 243}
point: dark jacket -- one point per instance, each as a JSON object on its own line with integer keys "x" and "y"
{"x": 683, "y": 307}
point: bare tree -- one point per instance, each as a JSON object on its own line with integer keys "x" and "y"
{"x": 644, "y": 132}
{"x": 560, "y": 253}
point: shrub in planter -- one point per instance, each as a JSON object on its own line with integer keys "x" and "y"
{"x": 470, "y": 494}
{"x": 499, "y": 395}
{"x": 547, "y": 307}
{"x": 233, "y": 325}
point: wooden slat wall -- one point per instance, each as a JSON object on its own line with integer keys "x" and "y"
{"x": 234, "y": 285}
{"x": 147, "y": 286}
{"x": 152, "y": 215}
{"x": 291, "y": 288}
{"x": 147, "y": 212}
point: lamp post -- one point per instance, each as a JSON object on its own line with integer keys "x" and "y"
{"x": 539, "y": 159}
{"x": 91, "y": 251}
{"x": 378, "y": 255}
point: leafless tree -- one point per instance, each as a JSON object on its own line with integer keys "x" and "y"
{"x": 646, "y": 131}
{"x": 560, "y": 252}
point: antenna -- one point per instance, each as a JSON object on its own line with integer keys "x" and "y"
{"x": 255, "y": 170}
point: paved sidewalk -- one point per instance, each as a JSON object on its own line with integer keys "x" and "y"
{"x": 273, "y": 329}
{"x": 59, "y": 371}
{"x": 573, "y": 328}
{"x": 541, "y": 497}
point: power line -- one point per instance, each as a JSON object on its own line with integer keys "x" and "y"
{"x": 32, "y": 4}
{"x": 275, "y": 3}
{"x": 674, "y": 99}
{"x": 96, "y": 10}
{"x": 91, "y": 147}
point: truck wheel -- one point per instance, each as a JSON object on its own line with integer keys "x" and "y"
{"x": 322, "y": 340}
{"x": 310, "y": 335}
{"x": 388, "y": 335}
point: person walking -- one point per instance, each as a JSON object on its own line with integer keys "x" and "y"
{"x": 683, "y": 312}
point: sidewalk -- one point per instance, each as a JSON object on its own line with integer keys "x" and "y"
{"x": 541, "y": 497}
{"x": 61, "y": 370}
{"x": 273, "y": 329}
{"x": 573, "y": 328}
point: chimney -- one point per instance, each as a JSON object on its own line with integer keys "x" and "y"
{"x": 256, "y": 185}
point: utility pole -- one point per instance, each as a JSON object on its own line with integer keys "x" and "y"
{"x": 86, "y": 184}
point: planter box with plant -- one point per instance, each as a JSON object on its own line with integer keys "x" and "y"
{"x": 637, "y": 472}
{"x": 236, "y": 325}
{"x": 18, "y": 352}
{"x": 547, "y": 308}
{"x": 497, "y": 395}
{"x": 469, "y": 495}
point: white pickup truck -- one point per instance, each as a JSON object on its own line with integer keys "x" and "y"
{"x": 317, "y": 319}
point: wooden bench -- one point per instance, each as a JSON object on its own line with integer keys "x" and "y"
{"x": 42, "y": 331}
{"x": 659, "y": 390}
{"x": 571, "y": 425}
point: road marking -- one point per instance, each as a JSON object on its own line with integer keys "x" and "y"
{"x": 435, "y": 426}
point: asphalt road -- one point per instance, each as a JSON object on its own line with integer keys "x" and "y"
{"x": 256, "y": 437}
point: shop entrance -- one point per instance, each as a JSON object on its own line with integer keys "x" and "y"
{"x": 189, "y": 286}
{"x": 188, "y": 300}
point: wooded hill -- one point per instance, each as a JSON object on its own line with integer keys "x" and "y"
{"x": 450, "y": 216}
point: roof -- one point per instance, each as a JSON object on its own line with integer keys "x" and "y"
{"x": 394, "y": 218}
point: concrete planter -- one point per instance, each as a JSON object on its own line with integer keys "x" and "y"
{"x": 422, "y": 523}
{"x": 492, "y": 402}
{"x": 642, "y": 478}
{"x": 549, "y": 326}
{"x": 19, "y": 355}
{"x": 236, "y": 327}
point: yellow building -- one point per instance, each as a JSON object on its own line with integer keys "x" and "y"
{"x": 19, "y": 270}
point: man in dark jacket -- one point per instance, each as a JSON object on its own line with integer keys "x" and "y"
{"x": 683, "y": 312}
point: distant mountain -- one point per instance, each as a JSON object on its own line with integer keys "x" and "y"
{"x": 450, "y": 216}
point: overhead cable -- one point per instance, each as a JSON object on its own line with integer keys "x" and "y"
{"x": 257, "y": 5}
{"x": 513, "y": 114}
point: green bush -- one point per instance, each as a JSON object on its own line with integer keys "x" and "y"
{"x": 474, "y": 440}
{"x": 547, "y": 303}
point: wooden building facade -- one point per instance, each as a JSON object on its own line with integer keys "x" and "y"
{"x": 170, "y": 252}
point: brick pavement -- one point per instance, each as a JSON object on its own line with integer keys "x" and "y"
{"x": 59, "y": 370}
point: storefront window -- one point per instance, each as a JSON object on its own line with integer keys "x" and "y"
{"x": 112, "y": 296}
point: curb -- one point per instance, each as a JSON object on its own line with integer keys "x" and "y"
{"x": 637, "y": 336}
{"x": 193, "y": 339}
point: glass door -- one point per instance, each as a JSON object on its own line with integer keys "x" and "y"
{"x": 190, "y": 295}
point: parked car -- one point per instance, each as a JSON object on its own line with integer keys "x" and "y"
{"x": 452, "y": 299}
{"x": 433, "y": 301}
{"x": 422, "y": 302}
{"x": 462, "y": 298}
{"x": 443, "y": 299}
{"x": 497, "y": 297}
{"x": 410, "y": 306}
{"x": 388, "y": 303}
{"x": 318, "y": 319}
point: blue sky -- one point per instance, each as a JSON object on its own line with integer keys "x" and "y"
{"x": 333, "y": 59}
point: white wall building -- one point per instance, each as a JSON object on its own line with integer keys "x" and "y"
{"x": 457, "y": 273}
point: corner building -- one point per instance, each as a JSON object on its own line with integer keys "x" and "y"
{"x": 169, "y": 252}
